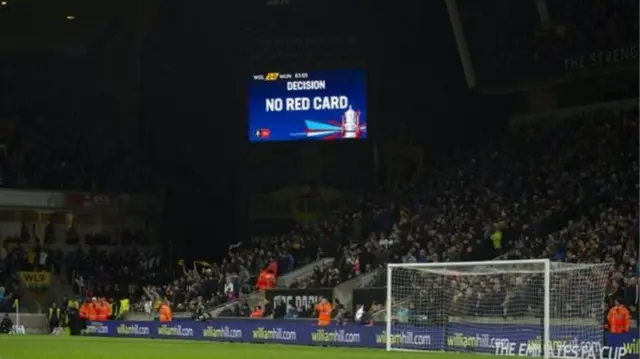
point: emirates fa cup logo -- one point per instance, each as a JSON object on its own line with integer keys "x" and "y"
{"x": 351, "y": 123}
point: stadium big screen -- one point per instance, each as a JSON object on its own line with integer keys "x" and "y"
{"x": 307, "y": 106}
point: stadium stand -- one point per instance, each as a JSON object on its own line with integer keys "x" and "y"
{"x": 113, "y": 273}
{"x": 587, "y": 205}
{"x": 562, "y": 187}
{"x": 494, "y": 191}
{"x": 235, "y": 276}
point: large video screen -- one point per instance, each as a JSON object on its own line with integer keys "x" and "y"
{"x": 302, "y": 106}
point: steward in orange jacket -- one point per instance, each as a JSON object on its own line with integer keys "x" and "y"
{"x": 166, "y": 315}
{"x": 103, "y": 310}
{"x": 324, "y": 309}
{"x": 618, "y": 318}
{"x": 84, "y": 311}
{"x": 109, "y": 308}
{"x": 92, "y": 309}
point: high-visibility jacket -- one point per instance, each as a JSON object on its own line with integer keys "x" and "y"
{"x": 619, "y": 319}
{"x": 496, "y": 239}
{"x": 84, "y": 311}
{"x": 72, "y": 304}
{"x": 124, "y": 307}
{"x": 102, "y": 311}
{"x": 165, "y": 313}
{"x": 54, "y": 314}
{"x": 324, "y": 313}
{"x": 92, "y": 312}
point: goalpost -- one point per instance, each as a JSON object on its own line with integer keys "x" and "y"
{"x": 533, "y": 307}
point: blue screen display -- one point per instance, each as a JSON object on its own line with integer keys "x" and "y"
{"x": 302, "y": 106}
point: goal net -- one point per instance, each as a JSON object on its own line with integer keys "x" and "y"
{"x": 533, "y": 308}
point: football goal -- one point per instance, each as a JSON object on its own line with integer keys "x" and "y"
{"x": 534, "y": 308}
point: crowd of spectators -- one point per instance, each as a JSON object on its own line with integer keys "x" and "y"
{"x": 351, "y": 261}
{"x": 205, "y": 285}
{"x": 564, "y": 190}
{"x": 115, "y": 273}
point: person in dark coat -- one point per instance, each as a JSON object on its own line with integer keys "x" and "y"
{"x": 6, "y": 324}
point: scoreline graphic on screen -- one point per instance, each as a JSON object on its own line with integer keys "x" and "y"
{"x": 318, "y": 105}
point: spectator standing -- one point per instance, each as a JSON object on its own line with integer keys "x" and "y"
{"x": 148, "y": 306}
{"x": 229, "y": 288}
{"x": 243, "y": 280}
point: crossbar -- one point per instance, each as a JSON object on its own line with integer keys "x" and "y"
{"x": 467, "y": 264}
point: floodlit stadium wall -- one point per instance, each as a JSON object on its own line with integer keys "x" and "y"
{"x": 479, "y": 337}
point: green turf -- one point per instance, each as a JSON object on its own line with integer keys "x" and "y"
{"x": 64, "y": 347}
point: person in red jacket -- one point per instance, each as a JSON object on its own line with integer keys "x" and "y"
{"x": 273, "y": 266}
{"x": 270, "y": 279}
{"x": 261, "y": 283}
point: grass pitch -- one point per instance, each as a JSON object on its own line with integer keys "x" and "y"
{"x": 64, "y": 347}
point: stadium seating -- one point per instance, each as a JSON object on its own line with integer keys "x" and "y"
{"x": 546, "y": 188}
{"x": 587, "y": 206}
{"x": 562, "y": 188}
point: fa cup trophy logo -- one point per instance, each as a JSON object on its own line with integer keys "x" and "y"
{"x": 351, "y": 123}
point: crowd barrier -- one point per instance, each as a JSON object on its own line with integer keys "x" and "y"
{"x": 568, "y": 341}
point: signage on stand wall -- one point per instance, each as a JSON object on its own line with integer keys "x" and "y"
{"x": 91, "y": 201}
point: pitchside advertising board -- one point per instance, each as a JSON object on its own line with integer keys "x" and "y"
{"x": 307, "y": 105}
{"x": 304, "y": 300}
{"x": 506, "y": 340}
